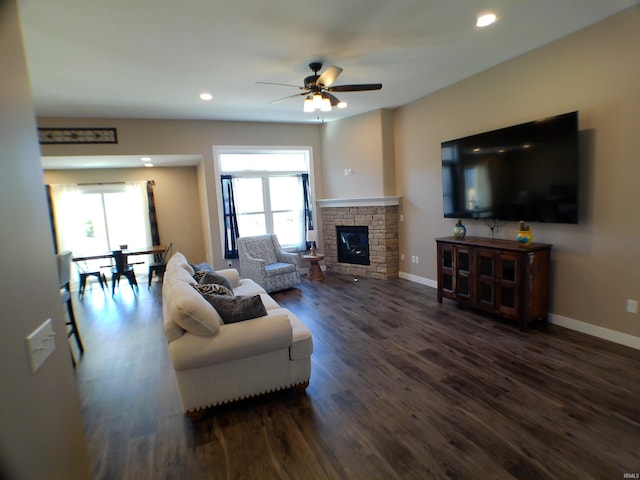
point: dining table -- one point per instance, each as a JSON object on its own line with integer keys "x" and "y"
{"x": 152, "y": 250}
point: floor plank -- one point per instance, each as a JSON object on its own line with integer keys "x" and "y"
{"x": 402, "y": 387}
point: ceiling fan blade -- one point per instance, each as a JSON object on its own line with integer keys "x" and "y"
{"x": 288, "y": 97}
{"x": 333, "y": 99}
{"x": 328, "y": 77}
{"x": 355, "y": 88}
{"x": 281, "y": 84}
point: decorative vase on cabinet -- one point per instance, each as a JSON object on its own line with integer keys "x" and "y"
{"x": 524, "y": 235}
{"x": 459, "y": 230}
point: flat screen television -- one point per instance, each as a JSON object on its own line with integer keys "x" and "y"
{"x": 524, "y": 172}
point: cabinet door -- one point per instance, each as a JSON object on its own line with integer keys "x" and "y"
{"x": 445, "y": 271}
{"x": 508, "y": 298}
{"x": 463, "y": 280}
{"x": 486, "y": 279}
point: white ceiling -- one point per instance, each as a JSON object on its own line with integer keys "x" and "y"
{"x": 152, "y": 58}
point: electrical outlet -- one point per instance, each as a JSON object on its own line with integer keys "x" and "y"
{"x": 229, "y": 264}
{"x": 417, "y": 259}
{"x": 402, "y": 257}
{"x": 632, "y": 306}
{"x": 348, "y": 171}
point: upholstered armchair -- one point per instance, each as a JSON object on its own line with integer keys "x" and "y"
{"x": 266, "y": 263}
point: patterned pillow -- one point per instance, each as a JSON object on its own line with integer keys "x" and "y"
{"x": 237, "y": 309}
{"x": 213, "y": 277}
{"x": 212, "y": 289}
{"x": 200, "y": 269}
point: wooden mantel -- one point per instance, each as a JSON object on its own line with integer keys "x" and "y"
{"x": 359, "y": 202}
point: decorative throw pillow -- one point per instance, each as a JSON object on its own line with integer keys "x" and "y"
{"x": 237, "y": 309}
{"x": 202, "y": 266}
{"x": 200, "y": 269}
{"x": 212, "y": 289}
{"x": 213, "y": 277}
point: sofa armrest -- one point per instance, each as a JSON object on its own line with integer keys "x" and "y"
{"x": 288, "y": 257}
{"x": 232, "y": 275}
{"x": 234, "y": 341}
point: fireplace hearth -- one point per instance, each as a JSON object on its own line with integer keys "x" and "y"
{"x": 353, "y": 244}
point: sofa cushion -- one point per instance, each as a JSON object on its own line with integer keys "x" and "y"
{"x": 179, "y": 260}
{"x": 178, "y": 273}
{"x": 190, "y": 310}
{"x": 246, "y": 286}
{"x": 238, "y": 308}
{"x": 279, "y": 268}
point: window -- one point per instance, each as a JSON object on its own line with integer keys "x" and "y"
{"x": 97, "y": 218}
{"x": 268, "y": 192}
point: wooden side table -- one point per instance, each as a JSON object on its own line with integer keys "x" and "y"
{"x": 315, "y": 272}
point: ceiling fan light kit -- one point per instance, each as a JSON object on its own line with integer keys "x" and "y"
{"x": 317, "y": 89}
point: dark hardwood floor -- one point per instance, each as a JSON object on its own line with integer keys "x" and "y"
{"x": 401, "y": 388}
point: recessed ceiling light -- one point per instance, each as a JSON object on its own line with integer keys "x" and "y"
{"x": 148, "y": 164}
{"x": 206, "y": 96}
{"x": 146, "y": 159}
{"x": 485, "y": 19}
{"x": 342, "y": 105}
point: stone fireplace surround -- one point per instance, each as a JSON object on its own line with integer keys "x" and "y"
{"x": 380, "y": 214}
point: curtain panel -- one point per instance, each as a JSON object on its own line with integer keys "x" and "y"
{"x": 308, "y": 210}
{"x": 229, "y": 216}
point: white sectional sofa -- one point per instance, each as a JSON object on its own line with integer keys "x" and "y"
{"x": 216, "y": 362}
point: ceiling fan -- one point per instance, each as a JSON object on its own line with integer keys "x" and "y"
{"x": 317, "y": 88}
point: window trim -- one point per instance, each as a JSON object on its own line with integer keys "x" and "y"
{"x": 252, "y": 149}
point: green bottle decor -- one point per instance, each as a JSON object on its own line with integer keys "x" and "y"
{"x": 524, "y": 235}
{"x": 459, "y": 230}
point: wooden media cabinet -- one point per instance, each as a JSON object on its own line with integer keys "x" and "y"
{"x": 501, "y": 277}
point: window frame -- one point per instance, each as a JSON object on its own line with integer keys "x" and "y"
{"x": 219, "y": 150}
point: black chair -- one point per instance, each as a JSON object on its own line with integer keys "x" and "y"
{"x": 64, "y": 277}
{"x": 85, "y": 272}
{"x": 121, "y": 268}
{"x": 160, "y": 263}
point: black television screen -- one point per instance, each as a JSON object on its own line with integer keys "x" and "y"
{"x": 525, "y": 172}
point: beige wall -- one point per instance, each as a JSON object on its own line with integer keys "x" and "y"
{"x": 163, "y": 137}
{"x": 176, "y": 197}
{"x": 41, "y": 433}
{"x": 363, "y": 144}
{"x": 595, "y": 71}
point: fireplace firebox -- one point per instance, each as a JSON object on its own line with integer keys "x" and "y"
{"x": 353, "y": 244}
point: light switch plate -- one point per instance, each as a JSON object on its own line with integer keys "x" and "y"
{"x": 40, "y": 344}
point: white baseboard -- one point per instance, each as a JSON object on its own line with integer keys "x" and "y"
{"x": 596, "y": 331}
{"x": 577, "y": 325}
{"x": 417, "y": 279}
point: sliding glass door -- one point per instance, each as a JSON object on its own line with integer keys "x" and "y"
{"x": 97, "y": 218}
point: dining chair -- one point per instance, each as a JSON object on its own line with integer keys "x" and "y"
{"x": 85, "y": 271}
{"x": 160, "y": 264}
{"x": 64, "y": 278}
{"x": 120, "y": 268}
